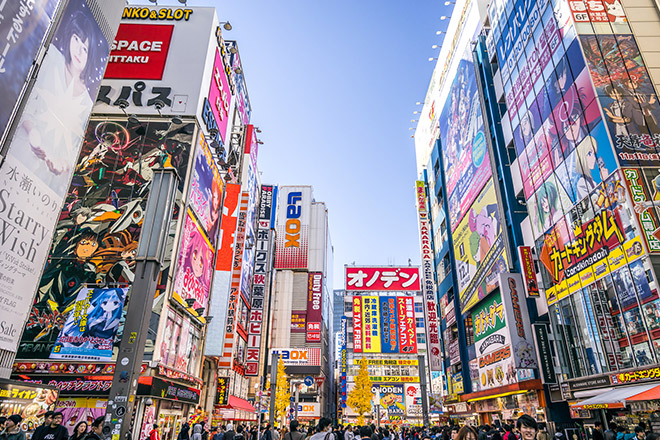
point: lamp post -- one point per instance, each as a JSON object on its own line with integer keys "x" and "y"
{"x": 422, "y": 387}
{"x": 150, "y": 255}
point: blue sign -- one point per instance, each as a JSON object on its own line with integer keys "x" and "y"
{"x": 309, "y": 381}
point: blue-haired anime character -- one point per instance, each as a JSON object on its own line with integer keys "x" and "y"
{"x": 102, "y": 315}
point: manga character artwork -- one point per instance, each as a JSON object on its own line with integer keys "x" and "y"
{"x": 96, "y": 239}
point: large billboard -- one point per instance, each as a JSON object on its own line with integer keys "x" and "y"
{"x": 141, "y": 71}
{"x": 206, "y": 190}
{"x": 310, "y": 357}
{"x": 293, "y": 223}
{"x": 371, "y": 324}
{"x": 383, "y": 278}
{"x": 96, "y": 237}
{"x": 388, "y": 324}
{"x": 42, "y": 154}
{"x": 314, "y": 306}
{"x": 219, "y": 97}
{"x": 358, "y": 340}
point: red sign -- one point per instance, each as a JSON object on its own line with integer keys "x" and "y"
{"x": 357, "y": 324}
{"x": 399, "y": 279}
{"x": 314, "y": 302}
{"x": 407, "y": 333}
{"x": 139, "y": 51}
{"x": 529, "y": 273}
{"x": 228, "y": 228}
{"x": 298, "y": 320}
{"x": 319, "y": 381}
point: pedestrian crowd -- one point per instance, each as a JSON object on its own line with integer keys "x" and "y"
{"x": 51, "y": 429}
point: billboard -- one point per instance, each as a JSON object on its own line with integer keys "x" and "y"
{"x": 98, "y": 228}
{"x": 358, "y": 340}
{"x": 406, "y": 324}
{"x": 489, "y": 324}
{"x": 90, "y": 329}
{"x": 379, "y": 279}
{"x": 42, "y": 154}
{"x": 390, "y": 398}
{"x": 293, "y": 219}
{"x": 230, "y": 210}
{"x": 371, "y": 324}
{"x": 206, "y": 189}
{"x": 310, "y": 357}
{"x": 644, "y": 195}
{"x": 413, "y": 393}
{"x": 298, "y": 320}
{"x": 242, "y": 99}
{"x": 314, "y": 306}
{"x": 219, "y": 97}
{"x": 195, "y": 265}
{"x": 388, "y": 324}
{"x": 479, "y": 249}
{"x": 517, "y": 320}
{"x": 165, "y": 87}
{"x": 528, "y": 270}
{"x": 20, "y": 47}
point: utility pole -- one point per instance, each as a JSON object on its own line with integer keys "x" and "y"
{"x": 273, "y": 388}
{"x": 422, "y": 386}
{"x": 150, "y": 255}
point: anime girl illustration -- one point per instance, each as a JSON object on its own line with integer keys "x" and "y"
{"x": 193, "y": 274}
{"x": 115, "y": 259}
{"x": 198, "y": 258}
{"x": 215, "y": 206}
{"x": 485, "y": 228}
{"x": 547, "y": 206}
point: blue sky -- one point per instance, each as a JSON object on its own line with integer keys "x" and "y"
{"x": 333, "y": 86}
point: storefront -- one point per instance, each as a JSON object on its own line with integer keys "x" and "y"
{"x": 461, "y": 413}
{"x": 508, "y": 403}
{"x": 27, "y": 400}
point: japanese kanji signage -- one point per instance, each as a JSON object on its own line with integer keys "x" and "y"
{"x": 648, "y": 216}
{"x": 222, "y": 391}
{"x": 597, "y": 11}
{"x": 314, "y": 304}
{"x": 428, "y": 288}
{"x": 139, "y": 51}
{"x": 298, "y": 320}
{"x": 637, "y": 376}
{"x": 528, "y": 270}
{"x": 379, "y": 279}
{"x": 357, "y": 325}
{"x": 489, "y": 324}
{"x": 371, "y": 324}
{"x": 259, "y": 287}
{"x": 293, "y": 227}
{"x": 406, "y": 324}
{"x": 388, "y": 314}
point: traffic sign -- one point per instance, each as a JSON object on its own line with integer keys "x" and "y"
{"x": 309, "y": 381}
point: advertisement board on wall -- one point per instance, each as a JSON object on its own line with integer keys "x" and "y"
{"x": 242, "y": 99}
{"x": 298, "y": 320}
{"x": 206, "y": 189}
{"x": 293, "y": 219}
{"x": 517, "y": 320}
{"x": 314, "y": 306}
{"x": 528, "y": 270}
{"x": 179, "y": 90}
{"x": 489, "y": 324}
{"x": 645, "y": 204}
{"x": 406, "y": 324}
{"x": 413, "y": 394}
{"x": 251, "y": 185}
{"x": 390, "y": 398}
{"x": 96, "y": 237}
{"x": 310, "y": 357}
{"x": 358, "y": 340}
{"x": 371, "y": 324}
{"x": 381, "y": 279}
{"x": 388, "y": 323}
{"x": 219, "y": 97}
{"x": 41, "y": 157}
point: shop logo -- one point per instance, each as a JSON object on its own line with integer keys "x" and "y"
{"x": 293, "y": 213}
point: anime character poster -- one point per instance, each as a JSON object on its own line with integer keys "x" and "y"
{"x": 195, "y": 264}
{"x": 546, "y": 207}
{"x": 90, "y": 329}
{"x": 206, "y": 188}
{"x": 79, "y": 409}
{"x": 95, "y": 242}
{"x": 464, "y": 150}
{"x": 627, "y": 97}
{"x": 479, "y": 249}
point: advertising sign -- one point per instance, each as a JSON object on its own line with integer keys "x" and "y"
{"x": 529, "y": 272}
{"x": 219, "y": 97}
{"x": 496, "y": 369}
{"x": 293, "y": 227}
{"x": 517, "y": 319}
{"x": 413, "y": 399}
{"x": 206, "y": 187}
{"x": 241, "y": 95}
{"x": 309, "y": 410}
{"x": 390, "y": 398}
{"x": 165, "y": 389}
{"x": 195, "y": 264}
{"x": 314, "y": 305}
{"x": 392, "y": 379}
{"x": 139, "y": 51}
{"x": 479, "y": 249}
{"x": 251, "y": 185}
{"x": 74, "y": 386}
{"x": 310, "y": 357}
{"x": 267, "y": 205}
{"x": 141, "y": 71}
{"x": 90, "y": 329}
{"x": 597, "y": 11}
{"x": 379, "y": 279}
{"x": 20, "y": 46}
{"x": 545, "y": 353}
{"x": 406, "y": 324}
{"x": 388, "y": 322}
{"x": 358, "y": 340}
{"x": 489, "y": 324}
{"x": 645, "y": 211}
{"x": 298, "y": 320}
{"x": 42, "y": 154}
{"x": 222, "y": 391}
{"x": 230, "y": 210}
{"x": 387, "y": 361}
{"x": 343, "y": 365}
{"x": 81, "y": 409}
{"x": 371, "y": 324}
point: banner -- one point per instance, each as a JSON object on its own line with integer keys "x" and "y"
{"x": 309, "y": 357}
{"x": 222, "y": 391}
{"x": 314, "y": 306}
{"x": 206, "y": 188}
{"x": 645, "y": 204}
{"x": 379, "y": 279}
{"x": 357, "y": 325}
{"x": 406, "y": 325}
{"x": 413, "y": 394}
{"x": 195, "y": 264}
{"x": 90, "y": 329}
{"x": 293, "y": 227}
{"x": 388, "y": 322}
{"x": 343, "y": 366}
{"x": 80, "y": 409}
{"x": 220, "y": 95}
{"x": 371, "y": 324}
{"x": 390, "y": 398}
{"x": 517, "y": 319}
{"x": 528, "y": 270}
{"x": 489, "y": 324}
{"x": 228, "y": 227}
{"x": 298, "y": 321}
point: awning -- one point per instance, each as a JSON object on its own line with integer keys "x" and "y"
{"x": 612, "y": 399}
{"x": 242, "y": 404}
{"x": 652, "y": 394}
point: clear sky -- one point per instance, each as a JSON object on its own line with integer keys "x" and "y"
{"x": 333, "y": 87}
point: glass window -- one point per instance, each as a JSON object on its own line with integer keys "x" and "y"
{"x": 421, "y": 338}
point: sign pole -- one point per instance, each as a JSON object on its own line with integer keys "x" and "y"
{"x": 273, "y": 388}
{"x": 422, "y": 386}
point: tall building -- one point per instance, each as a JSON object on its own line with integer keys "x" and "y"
{"x": 301, "y": 306}
{"x": 537, "y": 150}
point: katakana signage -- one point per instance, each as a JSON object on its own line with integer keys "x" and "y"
{"x": 379, "y": 279}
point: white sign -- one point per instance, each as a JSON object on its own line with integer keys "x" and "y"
{"x": 309, "y": 409}
{"x": 413, "y": 396}
{"x": 298, "y": 356}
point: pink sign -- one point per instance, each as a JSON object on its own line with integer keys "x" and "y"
{"x": 405, "y": 278}
{"x": 220, "y": 95}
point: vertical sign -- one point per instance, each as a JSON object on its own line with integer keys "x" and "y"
{"x": 428, "y": 287}
{"x": 259, "y": 282}
{"x": 388, "y": 320}
{"x": 544, "y": 353}
{"x": 293, "y": 228}
{"x": 342, "y": 356}
{"x": 222, "y": 392}
{"x": 314, "y": 303}
{"x": 517, "y": 319}
{"x": 527, "y": 266}
{"x": 219, "y": 98}
{"x": 406, "y": 324}
{"x": 371, "y": 324}
{"x": 357, "y": 324}
{"x": 235, "y": 286}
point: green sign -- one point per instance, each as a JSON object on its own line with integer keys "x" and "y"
{"x": 488, "y": 317}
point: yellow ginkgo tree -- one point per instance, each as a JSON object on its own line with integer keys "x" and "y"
{"x": 282, "y": 392}
{"x": 360, "y": 397}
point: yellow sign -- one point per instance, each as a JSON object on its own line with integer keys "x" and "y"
{"x": 617, "y": 258}
{"x": 388, "y": 361}
{"x": 394, "y": 379}
{"x": 371, "y": 324}
{"x": 167, "y": 14}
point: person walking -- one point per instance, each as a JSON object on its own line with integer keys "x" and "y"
{"x": 597, "y": 433}
{"x": 528, "y": 427}
{"x": 96, "y": 430}
{"x": 610, "y": 434}
{"x": 218, "y": 434}
{"x": 323, "y": 430}
{"x": 294, "y": 434}
{"x": 154, "y": 434}
{"x": 230, "y": 433}
{"x": 79, "y": 432}
{"x": 54, "y": 430}
{"x": 184, "y": 434}
{"x": 13, "y": 429}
